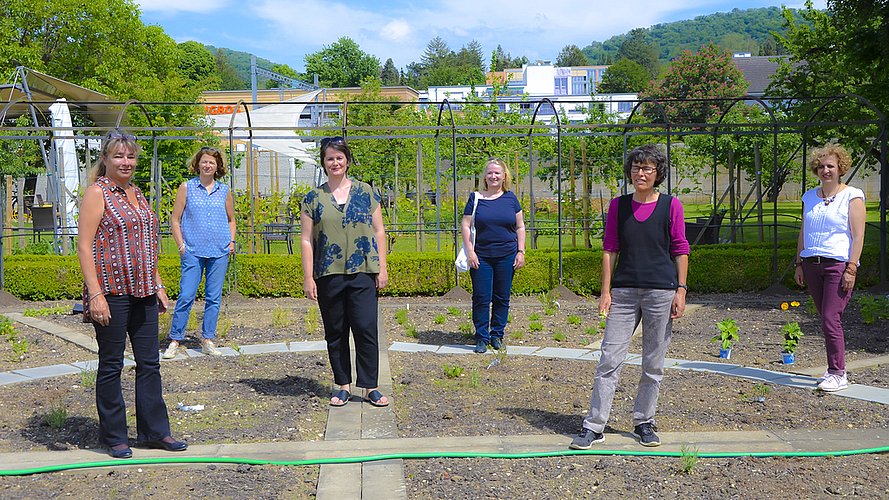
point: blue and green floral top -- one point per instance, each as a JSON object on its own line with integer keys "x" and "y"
{"x": 343, "y": 237}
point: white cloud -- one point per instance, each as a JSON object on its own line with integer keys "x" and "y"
{"x": 171, "y": 6}
{"x": 397, "y": 30}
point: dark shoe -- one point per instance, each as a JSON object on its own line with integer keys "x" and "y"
{"x": 124, "y": 453}
{"x": 586, "y": 439}
{"x": 497, "y": 343}
{"x": 646, "y": 435}
{"x": 374, "y": 397}
{"x": 343, "y": 395}
{"x": 161, "y": 444}
{"x": 481, "y": 347}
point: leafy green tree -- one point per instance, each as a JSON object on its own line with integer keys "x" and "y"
{"x": 624, "y": 76}
{"x": 571, "y": 56}
{"x": 389, "y": 74}
{"x": 638, "y": 49}
{"x": 228, "y": 76}
{"x": 197, "y": 66}
{"x": 707, "y": 74}
{"x": 503, "y": 60}
{"x": 342, "y": 64}
{"x": 20, "y": 157}
{"x": 283, "y": 69}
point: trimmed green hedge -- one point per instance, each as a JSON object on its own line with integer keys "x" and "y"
{"x": 712, "y": 268}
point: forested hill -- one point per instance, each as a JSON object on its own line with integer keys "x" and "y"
{"x": 736, "y": 31}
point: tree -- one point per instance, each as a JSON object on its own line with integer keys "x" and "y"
{"x": 623, "y": 76}
{"x": 228, "y": 76}
{"x": 707, "y": 74}
{"x": 571, "y": 56}
{"x": 342, "y": 64}
{"x": 637, "y": 48}
{"x": 503, "y": 60}
{"x": 844, "y": 49}
{"x": 389, "y": 74}
{"x": 283, "y": 69}
{"x": 198, "y": 67}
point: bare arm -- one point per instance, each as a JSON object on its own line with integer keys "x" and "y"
{"x": 232, "y": 223}
{"x": 466, "y": 232}
{"x": 176, "y": 220}
{"x": 380, "y": 237}
{"x": 798, "y": 275}
{"x": 678, "y": 307}
{"x": 307, "y": 226}
{"x": 91, "y": 210}
{"x": 857, "y": 216}
{"x": 608, "y": 261}
{"x": 520, "y": 237}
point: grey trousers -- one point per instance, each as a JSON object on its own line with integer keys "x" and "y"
{"x": 628, "y": 306}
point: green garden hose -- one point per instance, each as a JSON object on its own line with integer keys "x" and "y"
{"x": 391, "y": 456}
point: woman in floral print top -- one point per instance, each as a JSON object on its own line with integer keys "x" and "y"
{"x": 344, "y": 263}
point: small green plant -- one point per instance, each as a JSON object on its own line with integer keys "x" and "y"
{"x": 760, "y": 391}
{"x": 584, "y": 342}
{"x": 517, "y": 335}
{"x": 311, "y": 319}
{"x": 592, "y": 330}
{"x": 509, "y": 318}
{"x": 500, "y": 354}
{"x": 281, "y": 317}
{"x": 873, "y": 308}
{"x": 19, "y": 345}
{"x": 603, "y": 319}
{"x": 475, "y": 379}
{"x": 410, "y": 330}
{"x": 242, "y": 358}
{"x": 46, "y": 311}
{"x": 810, "y": 307}
{"x": 549, "y": 299}
{"x": 56, "y": 416}
{"x": 728, "y": 332}
{"x": 791, "y": 329}
{"x": 440, "y": 319}
{"x": 401, "y": 316}
{"x": 534, "y": 317}
{"x": 559, "y": 336}
{"x": 574, "y": 320}
{"x": 87, "y": 376}
{"x": 466, "y": 330}
{"x": 453, "y": 311}
{"x": 223, "y": 325}
{"x": 688, "y": 458}
{"x": 535, "y": 326}
{"x": 453, "y": 371}
{"x": 549, "y": 311}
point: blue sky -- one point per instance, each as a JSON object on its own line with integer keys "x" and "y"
{"x": 284, "y": 31}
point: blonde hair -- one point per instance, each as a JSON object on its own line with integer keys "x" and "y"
{"x": 844, "y": 161}
{"x": 114, "y": 140}
{"x": 507, "y": 178}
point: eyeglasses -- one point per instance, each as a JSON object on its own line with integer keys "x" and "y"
{"x": 328, "y": 140}
{"x": 121, "y": 135}
{"x": 207, "y": 148}
{"x": 646, "y": 170}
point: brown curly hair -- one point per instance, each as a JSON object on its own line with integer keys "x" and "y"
{"x": 194, "y": 163}
{"x": 844, "y": 161}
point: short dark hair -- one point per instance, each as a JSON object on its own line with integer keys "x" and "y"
{"x": 338, "y": 144}
{"x": 649, "y": 153}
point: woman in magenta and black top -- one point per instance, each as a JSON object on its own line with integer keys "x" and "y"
{"x": 646, "y": 230}
{"x": 117, "y": 246}
{"x": 499, "y": 251}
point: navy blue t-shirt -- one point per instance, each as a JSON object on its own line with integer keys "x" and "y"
{"x": 495, "y": 225}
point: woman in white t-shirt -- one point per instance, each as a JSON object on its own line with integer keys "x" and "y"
{"x": 830, "y": 242}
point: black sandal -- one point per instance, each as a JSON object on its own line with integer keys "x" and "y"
{"x": 343, "y": 395}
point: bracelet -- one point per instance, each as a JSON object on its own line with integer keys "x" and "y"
{"x": 797, "y": 264}
{"x": 684, "y": 286}
{"x": 160, "y": 287}
{"x": 851, "y": 268}
{"x": 521, "y": 251}
{"x": 94, "y": 296}
{"x": 181, "y": 247}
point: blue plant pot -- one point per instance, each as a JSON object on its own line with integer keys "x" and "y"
{"x": 788, "y": 358}
{"x": 725, "y": 353}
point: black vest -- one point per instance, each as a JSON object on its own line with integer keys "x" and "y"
{"x": 644, "y": 259}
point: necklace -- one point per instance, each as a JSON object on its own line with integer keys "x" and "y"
{"x": 828, "y": 201}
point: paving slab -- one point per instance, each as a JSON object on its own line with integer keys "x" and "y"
{"x": 520, "y": 349}
{"x": 91, "y": 365}
{"x": 384, "y": 478}
{"x": 591, "y": 356}
{"x": 456, "y": 349}
{"x": 340, "y": 482}
{"x": 12, "y": 378}
{"x": 84, "y": 341}
{"x": 180, "y": 355}
{"x": 875, "y": 394}
{"x": 560, "y": 352}
{"x": 264, "y": 348}
{"x": 858, "y": 364}
{"x": 308, "y": 346}
{"x": 410, "y": 347}
{"x": 797, "y": 381}
{"x": 754, "y": 373}
{"x": 704, "y": 366}
{"x": 46, "y": 371}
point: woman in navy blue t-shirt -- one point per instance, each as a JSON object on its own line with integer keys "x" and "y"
{"x": 498, "y": 251}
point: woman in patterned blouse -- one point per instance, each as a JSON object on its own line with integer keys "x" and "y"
{"x": 204, "y": 228}
{"x": 117, "y": 245}
{"x": 344, "y": 263}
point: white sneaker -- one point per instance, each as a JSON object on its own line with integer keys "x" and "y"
{"x": 821, "y": 378}
{"x": 833, "y": 383}
{"x": 171, "y": 351}
{"x": 210, "y": 349}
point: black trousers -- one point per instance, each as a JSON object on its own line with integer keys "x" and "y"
{"x": 137, "y": 318}
{"x": 349, "y": 302}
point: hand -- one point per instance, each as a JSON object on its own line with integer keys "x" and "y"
{"x": 163, "y": 302}
{"x": 799, "y": 276}
{"x": 848, "y": 281}
{"x": 519, "y": 261}
{"x": 604, "y": 303}
{"x": 311, "y": 289}
{"x": 472, "y": 259}
{"x": 382, "y": 280}
{"x": 99, "y": 311}
{"x": 231, "y": 248}
{"x": 678, "y": 307}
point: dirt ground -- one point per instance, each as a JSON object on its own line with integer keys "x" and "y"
{"x": 284, "y": 397}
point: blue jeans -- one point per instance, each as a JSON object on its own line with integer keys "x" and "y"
{"x": 491, "y": 287}
{"x": 193, "y": 269}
